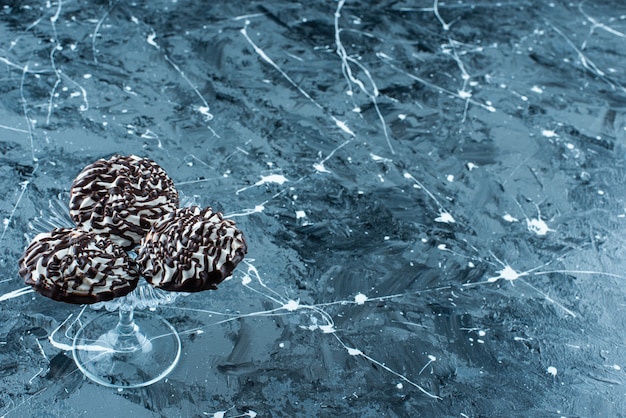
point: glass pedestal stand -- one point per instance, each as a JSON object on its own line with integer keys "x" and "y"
{"x": 126, "y": 349}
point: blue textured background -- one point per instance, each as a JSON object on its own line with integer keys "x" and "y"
{"x": 345, "y": 139}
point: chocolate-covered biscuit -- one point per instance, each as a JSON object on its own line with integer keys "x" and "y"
{"x": 121, "y": 198}
{"x": 191, "y": 250}
{"x": 75, "y": 266}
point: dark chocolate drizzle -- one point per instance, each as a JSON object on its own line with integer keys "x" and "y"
{"x": 122, "y": 197}
{"x": 191, "y": 250}
{"x": 75, "y": 266}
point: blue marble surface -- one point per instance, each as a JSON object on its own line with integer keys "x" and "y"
{"x": 432, "y": 194}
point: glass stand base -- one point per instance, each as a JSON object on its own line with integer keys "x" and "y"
{"x": 126, "y": 350}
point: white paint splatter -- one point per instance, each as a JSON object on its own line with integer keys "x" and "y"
{"x": 272, "y": 178}
{"x": 379, "y": 158}
{"x": 507, "y": 273}
{"x": 328, "y": 329}
{"x": 16, "y": 293}
{"x": 354, "y": 351}
{"x": 292, "y": 305}
{"x": 300, "y": 214}
{"x": 445, "y": 217}
{"x": 246, "y": 212}
{"x": 204, "y": 111}
{"x": 360, "y": 299}
{"x": 319, "y": 167}
{"x": 538, "y": 226}
{"x": 552, "y": 370}
{"x": 536, "y": 89}
{"x": 548, "y": 133}
{"x": 150, "y": 40}
{"x": 507, "y": 217}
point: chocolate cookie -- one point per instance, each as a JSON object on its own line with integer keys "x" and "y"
{"x": 191, "y": 250}
{"x": 121, "y": 198}
{"x": 75, "y": 266}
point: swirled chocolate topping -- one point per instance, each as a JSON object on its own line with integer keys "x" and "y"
{"x": 191, "y": 250}
{"x": 121, "y": 198}
{"x": 75, "y": 266}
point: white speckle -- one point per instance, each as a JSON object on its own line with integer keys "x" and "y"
{"x": 281, "y": 345}
{"x": 327, "y": 329}
{"x": 471, "y": 166}
{"x": 87, "y": 76}
{"x": 399, "y": 386}
{"x": 292, "y": 305}
{"x": 464, "y": 94}
{"x": 251, "y": 414}
{"x": 507, "y": 273}
{"x": 601, "y": 192}
{"x": 379, "y": 158}
{"x": 432, "y": 358}
{"x": 300, "y": 214}
{"x": 442, "y": 247}
{"x": 204, "y": 111}
{"x": 357, "y": 110}
{"x": 320, "y": 168}
{"x": 450, "y": 178}
{"x": 360, "y": 298}
{"x": 386, "y": 238}
{"x": 569, "y": 146}
{"x": 552, "y": 370}
{"x": 402, "y": 116}
{"x": 616, "y": 367}
{"x": 134, "y": 20}
{"x": 445, "y": 217}
{"x": 344, "y": 127}
{"x": 538, "y": 226}
{"x": 5, "y": 222}
{"x": 246, "y": 280}
{"x": 548, "y": 133}
{"x": 272, "y": 178}
{"x": 471, "y": 265}
{"x": 509, "y": 218}
{"x": 74, "y": 94}
{"x": 150, "y": 40}
{"x": 524, "y": 98}
{"x": 354, "y": 351}
{"x": 482, "y": 333}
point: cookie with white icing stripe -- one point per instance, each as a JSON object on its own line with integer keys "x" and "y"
{"x": 75, "y": 266}
{"x": 191, "y": 250}
{"x": 121, "y": 198}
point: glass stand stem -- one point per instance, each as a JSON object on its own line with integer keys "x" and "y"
{"x": 127, "y": 350}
